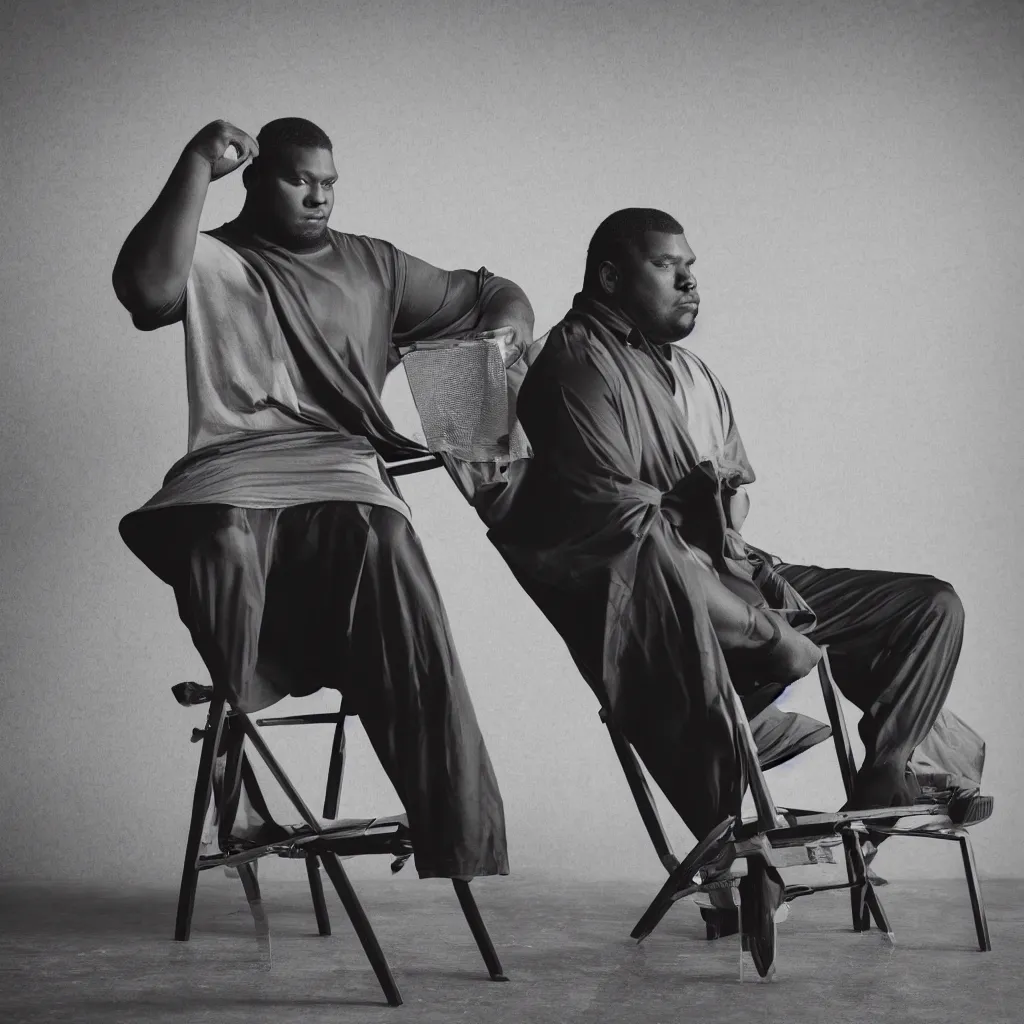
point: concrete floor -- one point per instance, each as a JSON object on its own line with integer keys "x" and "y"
{"x": 75, "y": 953}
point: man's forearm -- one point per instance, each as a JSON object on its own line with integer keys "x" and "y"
{"x": 154, "y": 263}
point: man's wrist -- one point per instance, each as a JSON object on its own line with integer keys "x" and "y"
{"x": 195, "y": 167}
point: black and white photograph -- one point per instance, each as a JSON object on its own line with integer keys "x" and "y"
{"x": 509, "y": 511}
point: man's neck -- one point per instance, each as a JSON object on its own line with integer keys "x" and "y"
{"x": 252, "y": 226}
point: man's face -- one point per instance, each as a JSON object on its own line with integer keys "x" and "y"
{"x": 296, "y": 194}
{"x": 656, "y": 288}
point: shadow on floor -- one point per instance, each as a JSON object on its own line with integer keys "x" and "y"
{"x": 97, "y": 954}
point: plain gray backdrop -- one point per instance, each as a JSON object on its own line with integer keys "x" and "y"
{"x": 849, "y": 175}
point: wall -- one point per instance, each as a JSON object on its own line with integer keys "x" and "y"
{"x": 849, "y": 176}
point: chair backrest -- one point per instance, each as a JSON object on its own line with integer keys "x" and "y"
{"x": 836, "y": 718}
{"x": 642, "y": 795}
{"x": 645, "y": 800}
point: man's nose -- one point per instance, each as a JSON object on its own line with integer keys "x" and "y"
{"x": 685, "y": 281}
{"x": 316, "y": 196}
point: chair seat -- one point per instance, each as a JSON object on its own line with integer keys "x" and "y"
{"x": 346, "y": 837}
{"x": 371, "y": 835}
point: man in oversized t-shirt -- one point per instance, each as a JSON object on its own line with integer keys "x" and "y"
{"x": 289, "y": 548}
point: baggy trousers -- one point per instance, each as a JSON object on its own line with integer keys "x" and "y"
{"x": 894, "y": 640}
{"x": 339, "y": 594}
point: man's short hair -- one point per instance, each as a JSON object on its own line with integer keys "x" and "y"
{"x": 276, "y": 136}
{"x": 617, "y": 232}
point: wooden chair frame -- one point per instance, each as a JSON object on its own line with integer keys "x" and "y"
{"x": 790, "y": 838}
{"x": 317, "y": 844}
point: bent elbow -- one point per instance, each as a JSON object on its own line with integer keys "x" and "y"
{"x": 150, "y": 306}
{"x": 122, "y": 287}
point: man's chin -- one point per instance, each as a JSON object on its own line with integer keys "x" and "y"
{"x": 678, "y": 330}
{"x": 308, "y": 234}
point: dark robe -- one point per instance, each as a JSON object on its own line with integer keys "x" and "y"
{"x": 615, "y": 528}
{"x": 609, "y": 528}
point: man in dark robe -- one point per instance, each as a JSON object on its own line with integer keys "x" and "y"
{"x": 624, "y": 528}
{"x": 289, "y": 547}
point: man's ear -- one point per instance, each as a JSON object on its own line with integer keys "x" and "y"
{"x": 608, "y": 275}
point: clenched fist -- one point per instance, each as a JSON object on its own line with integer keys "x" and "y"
{"x": 217, "y": 143}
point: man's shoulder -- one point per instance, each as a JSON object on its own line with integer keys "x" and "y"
{"x": 347, "y": 240}
{"x": 214, "y": 256}
{"x": 566, "y": 343}
{"x": 214, "y": 240}
{"x": 572, "y": 339}
{"x": 377, "y": 256}
{"x": 570, "y": 355}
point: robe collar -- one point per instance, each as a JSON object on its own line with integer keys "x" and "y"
{"x": 614, "y": 323}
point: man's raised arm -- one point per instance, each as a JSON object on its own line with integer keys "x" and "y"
{"x": 153, "y": 266}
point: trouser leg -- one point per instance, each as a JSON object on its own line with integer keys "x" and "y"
{"x": 894, "y": 641}
{"x": 416, "y": 709}
{"x": 219, "y": 587}
{"x": 220, "y": 590}
{"x": 357, "y": 573}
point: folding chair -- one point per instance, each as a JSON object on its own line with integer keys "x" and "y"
{"x": 790, "y": 838}
{"x": 316, "y": 843}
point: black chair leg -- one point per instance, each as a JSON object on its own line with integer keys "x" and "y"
{"x": 364, "y": 930}
{"x": 316, "y": 890}
{"x": 200, "y": 805}
{"x": 878, "y": 913}
{"x": 680, "y": 882}
{"x": 974, "y": 887}
{"x": 860, "y": 887}
{"x": 247, "y": 874}
{"x": 230, "y": 788}
{"x": 479, "y": 929}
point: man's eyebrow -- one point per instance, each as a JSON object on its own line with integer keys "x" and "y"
{"x": 301, "y": 172}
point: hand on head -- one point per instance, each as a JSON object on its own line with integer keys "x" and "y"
{"x": 223, "y": 146}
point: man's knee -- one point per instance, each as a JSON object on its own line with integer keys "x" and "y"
{"x": 392, "y": 532}
{"x": 229, "y": 541}
{"x": 397, "y": 564}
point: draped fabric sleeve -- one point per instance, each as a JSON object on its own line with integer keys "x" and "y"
{"x": 583, "y": 489}
{"x": 207, "y": 263}
{"x": 587, "y": 443}
{"x": 744, "y": 559}
{"x": 575, "y": 422}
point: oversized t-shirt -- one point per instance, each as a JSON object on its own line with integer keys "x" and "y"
{"x": 286, "y": 354}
